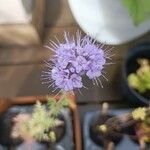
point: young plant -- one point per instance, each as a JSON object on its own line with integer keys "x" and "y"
{"x": 40, "y": 124}
{"x": 142, "y": 127}
{"x": 138, "y": 118}
{"x": 108, "y": 128}
{"x": 141, "y": 79}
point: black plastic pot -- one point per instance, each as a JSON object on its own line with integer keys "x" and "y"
{"x": 65, "y": 136}
{"x": 130, "y": 65}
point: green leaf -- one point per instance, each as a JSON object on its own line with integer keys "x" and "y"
{"x": 55, "y": 111}
{"x": 51, "y": 102}
{"x": 139, "y": 10}
{"x": 65, "y": 102}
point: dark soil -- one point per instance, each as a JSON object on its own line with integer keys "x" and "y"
{"x": 130, "y": 131}
{"x": 103, "y": 139}
{"x": 147, "y": 94}
{"x": 60, "y": 131}
{"x": 6, "y": 125}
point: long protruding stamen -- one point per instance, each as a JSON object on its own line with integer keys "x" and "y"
{"x": 100, "y": 82}
{"x": 57, "y": 40}
{"x": 109, "y": 56}
{"x": 104, "y": 77}
{"x": 58, "y": 93}
{"x": 96, "y": 81}
{"x": 47, "y": 78}
{"x": 51, "y": 84}
{"x": 109, "y": 63}
{"x": 80, "y": 91}
{"x": 46, "y": 82}
{"x": 46, "y": 46}
{"x": 46, "y": 72}
{"x": 52, "y": 42}
{"x": 85, "y": 87}
{"x": 48, "y": 64}
{"x": 55, "y": 90}
{"x": 108, "y": 50}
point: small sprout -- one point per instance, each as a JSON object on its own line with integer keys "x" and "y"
{"x": 111, "y": 146}
{"x": 139, "y": 114}
{"x": 37, "y": 125}
{"x": 55, "y": 107}
{"x": 141, "y": 79}
{"x": 105, "y": 108}
{"x": 51, "y": 102}
{"x": 142, "y": 144}
{"x": 52, "y": 136}
{"x": 145, "y": 66}
{"x": 65, "y": 102}
{"x": 103, "y": 128}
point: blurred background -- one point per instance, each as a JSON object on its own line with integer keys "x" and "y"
{"x": 26, "y": 25}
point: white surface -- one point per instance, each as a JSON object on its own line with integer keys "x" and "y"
{"x": 107, "y": 20}
{"x": 13, "y": 11}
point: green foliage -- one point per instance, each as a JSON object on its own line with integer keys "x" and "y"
{"x": 139, "y": 10}
{"x": 41, "y": 124}
{"x": 55, "y": 106}
{"x": 141, "y": 79}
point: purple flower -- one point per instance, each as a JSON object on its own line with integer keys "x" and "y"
{"x": 74, "y": 59}
{"x": 80, "y": 64}
{"x": 65, "y": 80}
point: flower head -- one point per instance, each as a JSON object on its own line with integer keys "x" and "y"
{"x": 139, "y": 113}
{"x": 74, "y": 59}
{"x": 103, "y": 128}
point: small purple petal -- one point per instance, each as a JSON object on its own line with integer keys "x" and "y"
{"x": 76, "y": 80}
